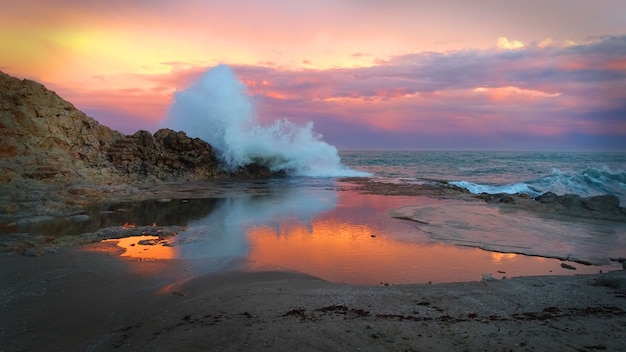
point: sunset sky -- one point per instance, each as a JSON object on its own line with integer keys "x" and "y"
{"x": 396, "y": 74}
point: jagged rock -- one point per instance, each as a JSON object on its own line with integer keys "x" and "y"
{"x": 168, "y": 155}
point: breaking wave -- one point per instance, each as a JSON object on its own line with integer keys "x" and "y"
{"x": 217, "y": 109}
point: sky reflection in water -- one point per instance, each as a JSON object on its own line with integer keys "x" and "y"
{"x": 340, "y": 236}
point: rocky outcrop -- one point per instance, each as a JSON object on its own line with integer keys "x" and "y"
{"x": 44, "y": 137}
{"x": 49, "y": 151}
{"x": 604, "y": 207}
{"x": 167, "y": 155}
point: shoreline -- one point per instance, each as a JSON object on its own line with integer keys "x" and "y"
{"x": 83, "y": 297}
{"x": 88, "y": 300}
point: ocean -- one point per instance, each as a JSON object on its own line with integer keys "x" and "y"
{"x": 534, "y": 173}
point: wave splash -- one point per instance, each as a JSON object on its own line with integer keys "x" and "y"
{"x": 216, "y": 109}
{"x": 589, "y": 182}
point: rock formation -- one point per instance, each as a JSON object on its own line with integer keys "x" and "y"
{"x": 603, "y": 207}
{"x": 166, "y": 155}
{"x": 49, "y": 150}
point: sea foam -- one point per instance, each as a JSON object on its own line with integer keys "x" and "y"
{"x": 217, "y": 109}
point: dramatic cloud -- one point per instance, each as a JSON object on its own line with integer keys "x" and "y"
{"x": 550, "y": 91}
{"x": 369, "y": 74}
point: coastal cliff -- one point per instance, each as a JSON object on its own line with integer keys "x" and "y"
{"x": 52, "y": 154}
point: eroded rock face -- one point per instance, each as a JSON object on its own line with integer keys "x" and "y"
{"x": 49, "y": 150}
{"x": 44, "y": 137}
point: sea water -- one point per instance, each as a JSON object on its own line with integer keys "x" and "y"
{"x": 306, "y": 222}
{"x": 533, "y": 173}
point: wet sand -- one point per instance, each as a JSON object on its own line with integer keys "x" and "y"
{"x": 86, "y": 299}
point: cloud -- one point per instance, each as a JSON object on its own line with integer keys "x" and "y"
{"x": 529, "y": 98}
{"x": 505, "y": 43}
{"x": 531, "y": 91}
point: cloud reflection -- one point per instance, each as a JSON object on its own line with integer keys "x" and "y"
{"x": 220, "y": 239}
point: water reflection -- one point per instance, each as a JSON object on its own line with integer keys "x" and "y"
{"x": 338, "y": 236}
{"x": 339, "y": 250}
{"x": 145, "y": 247}
{"x": 164, "y": 213}
{"x": 220, "y": 238}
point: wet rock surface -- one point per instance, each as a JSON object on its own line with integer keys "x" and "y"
{"x": 36, "y": 244}
{"x": 602, "y": 207}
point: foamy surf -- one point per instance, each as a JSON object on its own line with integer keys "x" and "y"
{"x": 217, "y": 109}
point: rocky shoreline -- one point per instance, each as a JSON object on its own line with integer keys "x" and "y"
{"x": 602, "y": 207}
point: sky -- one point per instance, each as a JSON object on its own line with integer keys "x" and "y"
{"x": 394, "y": 74}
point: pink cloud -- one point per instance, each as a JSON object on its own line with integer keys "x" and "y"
{"x": 476, "y": 96}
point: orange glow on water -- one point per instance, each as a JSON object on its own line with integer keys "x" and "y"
{"x": 145, "y": 247}
{"x": 355, "y": 242}
{"x": 498, "y": 257}
{"x": 345, "y": 252}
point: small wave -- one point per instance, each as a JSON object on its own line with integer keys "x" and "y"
{"x": 590, "y": 182}
{"x": 495, "y": 189}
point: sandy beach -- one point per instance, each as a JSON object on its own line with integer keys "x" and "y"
{"x": 85, "y": 299}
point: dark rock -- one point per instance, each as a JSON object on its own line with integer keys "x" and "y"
{"x": 167, "y": 156}
{"x": 503, "y": 198}
{"x": 256, "y": 171}
{"x": 151, "y": 242}
{"x": 547, "y": 197}
{"x": 570, "y": 201}
{"x": 507, "y": 199}
{"x": 601, "y": 203}
{"x": 605, "y": 207}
